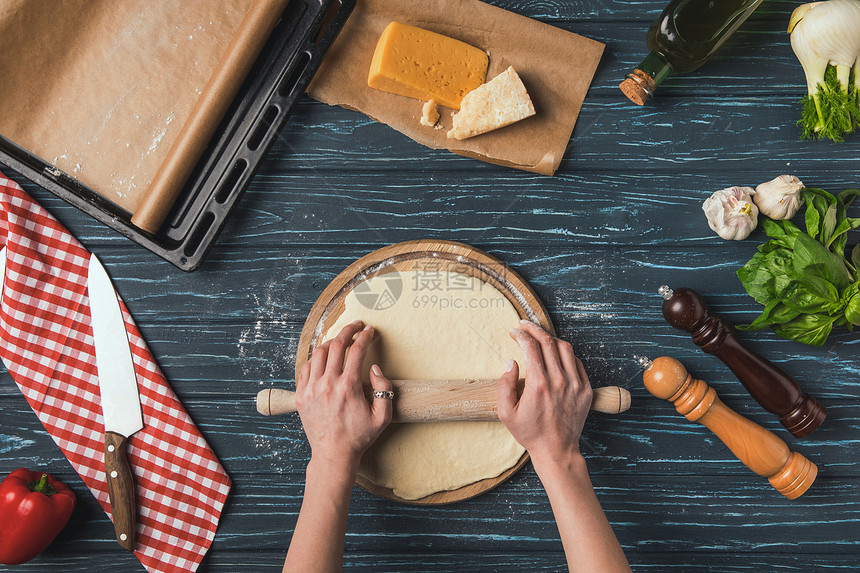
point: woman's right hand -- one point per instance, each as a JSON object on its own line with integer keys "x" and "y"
{"x": 548, "y": 417}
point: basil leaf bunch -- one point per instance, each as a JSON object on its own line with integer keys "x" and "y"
{"x": 805, "y": 282}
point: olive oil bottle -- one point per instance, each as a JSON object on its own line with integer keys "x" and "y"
{"x": 682, "y": 38}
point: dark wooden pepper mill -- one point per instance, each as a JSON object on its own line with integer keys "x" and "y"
{"x": 768, "y": 385}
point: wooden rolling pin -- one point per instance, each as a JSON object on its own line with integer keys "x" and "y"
{"x": 443, "y": 400}
{"x": 759, "y": 449}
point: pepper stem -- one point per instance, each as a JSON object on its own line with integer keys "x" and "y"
{"x": 42, "y": 486}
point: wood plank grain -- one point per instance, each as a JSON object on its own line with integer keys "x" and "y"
{"x": 611, "y": 10}
{"x": 670, "y": 514}
{"x": 670, "y": 132}
{"x": 433, "y": 562}
{"x": 622, "y": 217}
{"x": 651, "y": 438}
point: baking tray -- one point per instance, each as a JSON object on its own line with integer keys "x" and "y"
{"x": 278, "y": 79}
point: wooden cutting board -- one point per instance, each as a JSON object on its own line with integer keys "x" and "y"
{"x": 409, "y": 256}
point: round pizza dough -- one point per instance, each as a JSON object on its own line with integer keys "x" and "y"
{"x": 435, "y": 325}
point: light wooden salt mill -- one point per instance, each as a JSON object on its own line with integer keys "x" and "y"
{"x": 758, "y": 448}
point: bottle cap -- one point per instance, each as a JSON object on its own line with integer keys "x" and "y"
{"x": 638, "y": 87}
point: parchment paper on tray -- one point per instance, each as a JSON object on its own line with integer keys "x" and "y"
{"x": 556, "y": 67}
{"x": 101, "y": 89}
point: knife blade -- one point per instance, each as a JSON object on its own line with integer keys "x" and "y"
{"x": 120, "y": 399}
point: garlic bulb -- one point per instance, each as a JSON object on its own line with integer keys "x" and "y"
{"x": 732, "y": 213}
{"x": 780, "y": 198}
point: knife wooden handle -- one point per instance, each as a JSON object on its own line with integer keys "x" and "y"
{"x": 443, "y": 400}
{"x": 121, "y": 489}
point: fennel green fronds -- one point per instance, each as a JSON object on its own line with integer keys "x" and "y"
{"x": 825, "y": 37}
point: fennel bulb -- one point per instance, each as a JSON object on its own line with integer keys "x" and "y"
{"x": 825, "y": 37}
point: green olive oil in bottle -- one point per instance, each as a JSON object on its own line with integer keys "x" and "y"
{"x": 682, "y": 38}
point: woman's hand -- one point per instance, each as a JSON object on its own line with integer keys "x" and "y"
{"x": 340, "y": 425}
{"x": 547, "y": 418}
{"x": 339, "y": 421}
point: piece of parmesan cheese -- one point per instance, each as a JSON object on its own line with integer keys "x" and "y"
{"x": 429, "y": 113}
{"x": 499, "y": 102}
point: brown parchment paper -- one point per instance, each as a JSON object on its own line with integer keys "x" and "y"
{"x": 556, "y": 67}
{"x": 101, "y": 88}
{"x": 207, "y": 113}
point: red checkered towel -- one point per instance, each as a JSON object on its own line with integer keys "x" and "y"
{"x": 47, "y": 346}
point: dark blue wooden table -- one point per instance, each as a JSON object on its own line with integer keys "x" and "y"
{"x": 621, "y": 217}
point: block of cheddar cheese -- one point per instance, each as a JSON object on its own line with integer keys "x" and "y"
{"x": 421, "y": 64}
{"x": 501, "y": 101}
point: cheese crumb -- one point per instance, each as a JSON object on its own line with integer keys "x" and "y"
{"x": 497, "y": 103}
{"x": 429, "y": 113}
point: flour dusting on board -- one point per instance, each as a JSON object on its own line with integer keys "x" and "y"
{"x": 267, "y": 346}
{"x": 264, "y": 446}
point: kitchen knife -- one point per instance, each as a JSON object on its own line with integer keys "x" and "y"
{"x": 119, "y": 398}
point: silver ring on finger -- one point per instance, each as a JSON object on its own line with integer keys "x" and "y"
{"x": 384, "y": 394}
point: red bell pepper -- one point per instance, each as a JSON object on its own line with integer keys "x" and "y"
{"x": 34, "y": 508}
